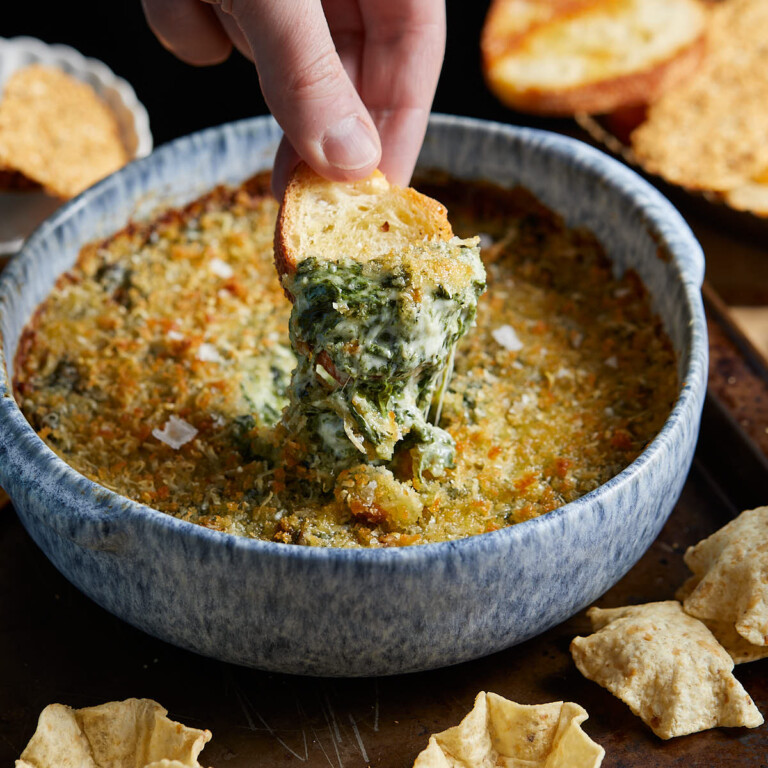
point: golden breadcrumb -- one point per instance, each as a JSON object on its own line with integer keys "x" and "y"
{"x": 158, "y": 367}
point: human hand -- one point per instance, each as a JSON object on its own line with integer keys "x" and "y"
{"x": 350, "y": 82}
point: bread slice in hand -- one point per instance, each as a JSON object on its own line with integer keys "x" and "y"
{"x": 560, "y": 57}
{"x": 361, "y": 219}
{"x": 390, "y": 229}
{"x": 382, "y": 292}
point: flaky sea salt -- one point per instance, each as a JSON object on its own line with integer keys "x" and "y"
{"x": 368, "y": 492}
{"x": 176, "y": 432}
{"x": 175, "y": 335}
{"x": 208, "y": 353}
{"x": 506, "y": 336}
{"x": 221, "y": 268}
{"x": 612, "y": 362}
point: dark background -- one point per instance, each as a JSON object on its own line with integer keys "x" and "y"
{"x": 181, "y": 99}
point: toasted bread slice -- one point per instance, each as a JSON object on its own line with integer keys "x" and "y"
{"x": 558, "y": 57}
{"x": 711, "y": 132}
{"x": 56, "y": 131}
{"x": 509, "y": 21}
{"x": 362, "y": 219}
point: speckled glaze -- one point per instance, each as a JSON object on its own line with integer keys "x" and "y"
{"x": 360, "y": 612}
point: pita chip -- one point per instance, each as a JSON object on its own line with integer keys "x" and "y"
{"x": 730, "y": 576}
{"x": 134, "y": 733}
{"x": 58, "y": 741}
{"x": 499, "y": 733}
{"x": 666, "y": 666}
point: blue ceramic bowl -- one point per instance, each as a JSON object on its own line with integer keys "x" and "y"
{"x": 359, "y": 612}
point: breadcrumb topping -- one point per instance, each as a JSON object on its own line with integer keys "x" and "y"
{"x": 121, "y": 353}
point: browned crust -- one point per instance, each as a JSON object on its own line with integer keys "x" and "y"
{"x": 631, "y": 90}
{"x": 494, "y": 45}
{"x": 249, "y": 193}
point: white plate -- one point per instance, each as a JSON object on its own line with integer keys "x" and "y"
{"x": 21, "y": 212}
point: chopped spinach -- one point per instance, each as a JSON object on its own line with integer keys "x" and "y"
{"x": 65, "y": 376}
{"x": 117, "y": 280}
{"x": 373, "y": 342}
{"x": 265, "y": 383}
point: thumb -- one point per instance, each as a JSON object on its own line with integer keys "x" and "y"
{"x": 306, "y": 87}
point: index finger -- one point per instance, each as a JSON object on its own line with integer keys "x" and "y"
{"x": 401, "y": 62}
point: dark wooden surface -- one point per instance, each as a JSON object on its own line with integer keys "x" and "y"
{"x": 56, "y": 645}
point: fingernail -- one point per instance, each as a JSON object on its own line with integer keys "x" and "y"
{"x": 350, "y": 144}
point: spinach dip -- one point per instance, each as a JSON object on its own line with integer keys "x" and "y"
{"x": 161, "y": 367}
{"x": 387, "y": 328}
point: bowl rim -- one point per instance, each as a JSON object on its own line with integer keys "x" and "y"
{"x": 24, "y": 448}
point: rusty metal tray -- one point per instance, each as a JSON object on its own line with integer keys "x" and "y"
{"x": 56, "y": 645}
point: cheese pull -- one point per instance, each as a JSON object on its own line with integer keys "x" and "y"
{"x": 382, "y": 291}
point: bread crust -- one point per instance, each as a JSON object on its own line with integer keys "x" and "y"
{"x": 636, "y": 88}
{"x": 286, "y": 259}
{"x": 430, "y": 218}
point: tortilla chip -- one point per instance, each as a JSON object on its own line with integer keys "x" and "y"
{"x": 58, "y": 741}
{"x": 499, "y": 733}
{"x": 710, "y": 131}
{"x": 120, "y": 734}
{"x": 56, "y": 131}
{"x": 666, "y": 666}
{"x": 730, "y": 576}
{"x": 739, "y": 649}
